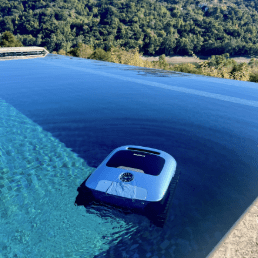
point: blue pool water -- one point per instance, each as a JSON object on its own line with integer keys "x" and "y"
{"x": 61, "y": 116}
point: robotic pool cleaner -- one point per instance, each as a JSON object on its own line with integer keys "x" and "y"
{"x": 135, "y": 179}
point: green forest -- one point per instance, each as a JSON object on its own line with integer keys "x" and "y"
{"x": 185, "y": 27}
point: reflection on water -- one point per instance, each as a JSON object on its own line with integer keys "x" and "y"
{"x": 143, "y": 71}
{"x": 156, "y": 72}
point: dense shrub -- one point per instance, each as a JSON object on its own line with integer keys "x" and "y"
{"x": 186, "y": 68}
{"x": 100, "y": 54}
{"x": 253, "y": 77}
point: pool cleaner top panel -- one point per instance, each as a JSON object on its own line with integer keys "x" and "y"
{"x": 134, "y": 172}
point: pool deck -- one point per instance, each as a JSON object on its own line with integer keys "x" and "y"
{"x": 242, "y": 239}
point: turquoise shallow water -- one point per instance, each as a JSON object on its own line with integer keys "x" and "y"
{"x": 38, "y": 182}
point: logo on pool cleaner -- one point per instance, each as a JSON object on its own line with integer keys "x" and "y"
{"x": 126, "y": 177}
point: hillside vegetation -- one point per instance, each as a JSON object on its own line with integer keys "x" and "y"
{"x": 217, "y": 65}
{"x": 211, "y": 27}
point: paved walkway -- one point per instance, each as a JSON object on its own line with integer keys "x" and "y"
{"x": 241, "y": 241}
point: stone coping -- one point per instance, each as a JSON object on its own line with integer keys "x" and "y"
{"x": 242, "y": 239}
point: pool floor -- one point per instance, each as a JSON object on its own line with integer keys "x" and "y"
{"x": 38, "y": 183}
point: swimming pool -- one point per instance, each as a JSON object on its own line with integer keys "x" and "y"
{"x": 60, "y": 117}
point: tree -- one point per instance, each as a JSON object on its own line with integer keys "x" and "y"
{"x": 9, "y": 40}
{"x": 168, "y": 44}
{"x": 184, "y": 46}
